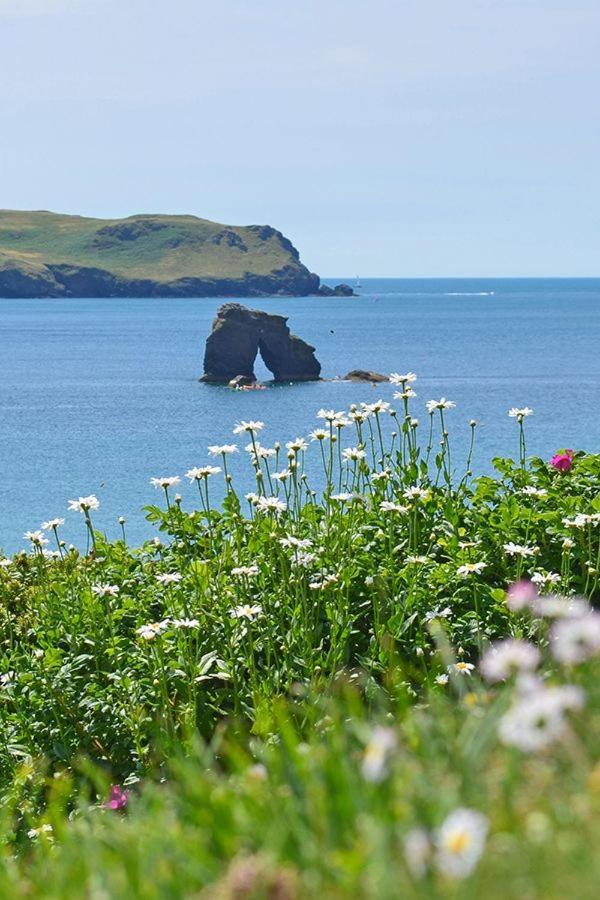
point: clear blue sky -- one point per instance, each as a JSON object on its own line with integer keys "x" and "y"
{"x": 385, "y": 137}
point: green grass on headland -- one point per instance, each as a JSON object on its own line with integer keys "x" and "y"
{"x": 157, "y": 247}
{"x": 290, "y": 686}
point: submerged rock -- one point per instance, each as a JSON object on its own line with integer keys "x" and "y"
{"x": 238, "y": 334}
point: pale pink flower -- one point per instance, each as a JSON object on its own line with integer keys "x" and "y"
{"x": 521, "y": 594}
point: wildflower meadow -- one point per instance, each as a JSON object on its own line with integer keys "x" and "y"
{"x": 380, "y": 684}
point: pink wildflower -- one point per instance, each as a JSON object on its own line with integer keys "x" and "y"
{"x": 117, "y": 799}
{"x": 521, "y": 594}
{"x": 562, "y": 461}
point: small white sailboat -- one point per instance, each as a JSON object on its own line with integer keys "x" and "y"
{"x": 357, "y": 283}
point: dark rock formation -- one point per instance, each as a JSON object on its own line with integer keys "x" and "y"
{"x": 22, "y": 280}
{"x": 238, "y": 334}
{"x": 84, "y": 281}
{"x": 340, "y": 290}
{"x": 364, "y": 375}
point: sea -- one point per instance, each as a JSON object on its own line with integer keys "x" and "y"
{"x": 98, "y": 396}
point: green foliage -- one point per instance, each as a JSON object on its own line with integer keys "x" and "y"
{"x": 297, "y": 816}
{"x": 237, "y": 674}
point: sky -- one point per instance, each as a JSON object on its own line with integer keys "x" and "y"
{"x": 384, "y": 137}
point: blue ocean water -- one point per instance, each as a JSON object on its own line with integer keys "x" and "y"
{"x": 97, "y": 396}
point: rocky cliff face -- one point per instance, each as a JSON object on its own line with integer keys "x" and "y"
{"x": 83, "y": 281}
{"x": 48, "y": 255}
{"x": 238, "y": 334}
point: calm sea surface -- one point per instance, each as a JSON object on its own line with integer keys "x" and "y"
{"x": 97, "y": 396}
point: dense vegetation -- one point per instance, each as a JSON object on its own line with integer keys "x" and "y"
{"x": 379, "y": 690}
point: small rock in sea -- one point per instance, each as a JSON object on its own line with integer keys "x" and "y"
{"x": 241, "y": 381}
{"x": 365, "y": 375}
{"x": 340, "y": 290}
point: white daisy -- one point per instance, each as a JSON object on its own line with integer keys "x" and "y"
{"x": 222, "y": 449}
{"x": 166, "y": 481}
{"x": 246, "y": 611}
{"x": 520, "y": 414}
{"x": 513, "y": 549}
{"x": 36, "y": 537}
{"x": 271, "y": 504}
{"x": 409, "y": 378}
{"x": 329, "y": 414}
{"x": 152, "y": 630}
{"x": 467, "y": 569}
{"x": 105, "y": 590}
{"x": 353, "y": 453}
{"x": 168, "y": 577}
{"x": 186, "y": 623}
{"x": 461, "y": 668}
{"x": 51, "y": 524}
{"x": 375, "y": 408}
{"x": 544, "y": 579}
{"x": 531, "y": 491}
{"x": 84, "y": 504}
{"x": 250, "y": 427}
{"x": 200, "y": 473}
{"x": 297, "y": 446}
{"x": 442, "y": 403}
{"x": 291, "y": 541}
{"x": 389, "y": 506}
{"x": 245, "y": 571}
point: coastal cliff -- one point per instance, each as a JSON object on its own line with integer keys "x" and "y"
{"x": 44, "y": 254}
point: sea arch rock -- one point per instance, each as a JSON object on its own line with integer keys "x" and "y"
{"x": 239, "y": 334}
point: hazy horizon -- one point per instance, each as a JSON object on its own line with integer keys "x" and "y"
{"x": 395, "y": 138}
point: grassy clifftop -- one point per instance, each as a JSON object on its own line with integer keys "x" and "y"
{"x": 46, "y": 254}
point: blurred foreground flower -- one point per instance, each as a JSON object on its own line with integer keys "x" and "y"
{"x": 460, "y": 842}
{"x": 537, "y": 718}
{"x": 507, "y": 657}
{"x": 117, "y": 799}
{"x": 381, "y": 742}
{"x": 521, "y": 594}
{"x": 576, "y": 638}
